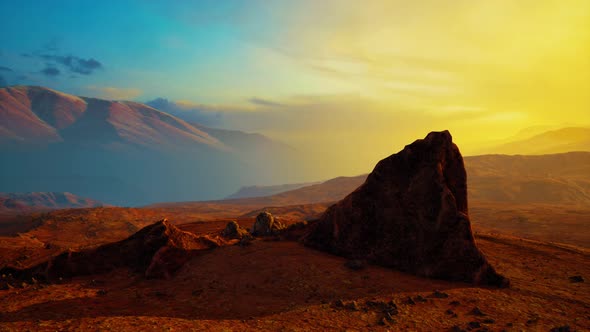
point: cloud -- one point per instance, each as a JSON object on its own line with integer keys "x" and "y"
{"x": 188, "y": 111}
{"x": 50, "y": 71}
{"x": 114, "y": 93}
{"x": 264, "y": 102}
{"x": 75, "y": 64}
{"x": 5, "y": 69}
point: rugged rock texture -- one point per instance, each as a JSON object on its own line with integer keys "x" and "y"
{"x": 233, "y": 231}
{"x": 266, "y": 224}
{"x": 157, "y": 250}
{"x": 410, "y": 214}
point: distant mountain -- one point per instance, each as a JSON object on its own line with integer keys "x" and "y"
{"x": 20, "y": 203}
{"x": 37, "y": 115}
{"x": 555, "y": 179}
{"x": 125, "y": 153}
{"x": 261, "y": 191}
{"x": 546, "y": 142}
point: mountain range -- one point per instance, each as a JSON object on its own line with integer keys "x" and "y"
{"x": 11, "y": 203}
{"x": 543, "y": 140}
{"x": 562, "y": 178}
{"x": 125, "y": 153}
{"x": 128, "y": 153}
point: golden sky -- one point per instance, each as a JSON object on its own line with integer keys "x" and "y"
{"x": 348, "y": 82}
{"x": 360, "y": 79}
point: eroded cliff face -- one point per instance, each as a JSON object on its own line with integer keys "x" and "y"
{"x": 411, "y": 214}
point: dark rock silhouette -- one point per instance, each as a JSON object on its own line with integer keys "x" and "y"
{"x": 410, "y": 214}
{"x": 157, "y": 250}
{"x": 266, "y": 224}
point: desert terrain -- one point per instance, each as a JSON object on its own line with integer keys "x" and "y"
{"x": 276, "y": 283}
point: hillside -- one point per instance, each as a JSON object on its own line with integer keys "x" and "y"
{"x": 126, "y": 153}
{"x": 19, "y": 203}
{"x": 37, "y": 115}
{"x": 95, "y": 259}
{"x": 281, "y": 285}
{"x": 263, "y": 191}
{"x": 552, "y": 141}
{"x": 562, "y": 178}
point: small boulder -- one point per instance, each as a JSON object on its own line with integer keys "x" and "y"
{"x": 440, "y": 295}
{"x": 266, "y": 225}
{"x": 233, "y": 231}
{"x": 576, "y": 279}
{"x": 477, "y": 312}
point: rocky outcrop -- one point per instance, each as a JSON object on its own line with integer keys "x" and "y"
{"x": 157, "y": 250}
{"x": 266, "y": 225}
{"x": 410, "y": 214}
{"x": 234, "y": 231}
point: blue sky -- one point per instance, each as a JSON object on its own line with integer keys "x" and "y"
{"x": 318, "y": 74}
{"x": 140, "y": 46}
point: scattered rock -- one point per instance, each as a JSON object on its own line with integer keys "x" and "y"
{"x": 410, "y": 301}
{"x": 157, "y": 250}
{"x": 477, "y": 312}
{"x": 387, "y": 308}
{"x": 266, "y": 225}
{"x": 576, "y": 279}
{"x": 355, "y": 264}
{"x": 388, "y": 317}
{"x": 233, "y": 231}
{"x": 440, "y": 295}
{"x": 352, "y": 305}
{"x": 339, "y": 303}
{"x": 410, "y": 214}
{"x": 456, "y": 328}
{"x": 564, "y": 328}
{"x": 474, "y": 325}
{"x": 419, "y": 298}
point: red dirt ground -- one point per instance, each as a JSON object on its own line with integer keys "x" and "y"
{"x": 281, "y": 285}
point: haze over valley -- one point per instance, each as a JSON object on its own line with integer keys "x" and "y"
{"x": 331, "y": 165}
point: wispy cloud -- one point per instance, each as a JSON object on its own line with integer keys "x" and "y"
{"x": 264, "y": 102}
{"x": 74, "y": 64}
{"x": 50, "y": 71}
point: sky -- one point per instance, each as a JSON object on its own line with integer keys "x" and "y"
{"x": 345, "y": 81}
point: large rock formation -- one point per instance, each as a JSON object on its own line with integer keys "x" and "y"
{"x": 410, "y": 214}
{"x": 156, "y": 250}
